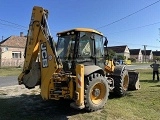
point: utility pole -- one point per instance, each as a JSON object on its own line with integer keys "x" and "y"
{"x": 1, "y": 54}
{"x": 144, "y": 57}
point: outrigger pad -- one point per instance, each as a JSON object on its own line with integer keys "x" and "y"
{"x": 134, "y": 83}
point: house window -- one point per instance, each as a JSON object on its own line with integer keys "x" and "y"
{"x": 5, "y": 49}
{"x": 16, "y": 54}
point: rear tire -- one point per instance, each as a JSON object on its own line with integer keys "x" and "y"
{"x": 96, "y": 92}
{"x": 121, "y": 84}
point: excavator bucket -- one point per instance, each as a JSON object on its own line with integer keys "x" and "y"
{"x": 134, "y": 83}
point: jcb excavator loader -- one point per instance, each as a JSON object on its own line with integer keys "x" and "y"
{"x": 75, "y": 69}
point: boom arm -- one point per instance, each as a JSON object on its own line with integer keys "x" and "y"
{"x": 39, "y": 41}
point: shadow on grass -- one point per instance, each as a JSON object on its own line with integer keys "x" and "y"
{"x": 148, "y": 81}
{"x": 32, "y": 106}
{"x": 155, "y": 86}
{"x": 114, "y": 96}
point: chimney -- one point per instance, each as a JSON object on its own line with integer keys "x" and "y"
{"x": 21, "y": 34}
{"x": 2, "y": 38}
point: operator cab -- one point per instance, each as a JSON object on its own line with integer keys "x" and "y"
{"x": 80, "y": 46}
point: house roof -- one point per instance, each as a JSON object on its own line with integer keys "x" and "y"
{"x": 14, "y": 41}
{"x": 118, "y": 49}
{"x": 134, "y": 51}
{"x": 156, "y": 53}
{"x": 148, "y": 52}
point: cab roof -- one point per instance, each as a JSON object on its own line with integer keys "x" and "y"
{"x": 81, "y": 30}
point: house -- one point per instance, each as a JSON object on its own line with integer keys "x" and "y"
{"x": 147, "y": 55}
{"x": 12, "y": 51}
{"x": 136, "y": 54}
{"x": 156, "y": 53}
{"x": 120, "y": 50}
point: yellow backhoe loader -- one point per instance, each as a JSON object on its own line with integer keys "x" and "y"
{"x": 74, "y": 69}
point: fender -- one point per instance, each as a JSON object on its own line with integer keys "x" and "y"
{"x": 118, "y": 70}
{"x": 91, "y": 69}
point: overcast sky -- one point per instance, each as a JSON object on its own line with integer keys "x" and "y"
{"x": 125, "y": 22}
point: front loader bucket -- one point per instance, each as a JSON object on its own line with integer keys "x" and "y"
{"x": 134, "y": 83}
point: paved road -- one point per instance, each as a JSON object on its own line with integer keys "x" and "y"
{"x": 12, "y": 80}
{"x": 141, "y": 66}
{"x": 8, "y": 81}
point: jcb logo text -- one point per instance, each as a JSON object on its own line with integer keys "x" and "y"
{"x": 44, "y": 55}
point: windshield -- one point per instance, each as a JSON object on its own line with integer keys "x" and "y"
{"x": 85, "y": 44}
{"x": 65, "y": 46}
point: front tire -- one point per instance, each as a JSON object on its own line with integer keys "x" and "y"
{"x": 96, "y": 92}
{"x": 121, "y": 84}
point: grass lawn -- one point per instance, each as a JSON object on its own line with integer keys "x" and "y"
{"x": 10, "y": 71}
{"x": 143, "y": 104}
{"x": 137, "y": 105}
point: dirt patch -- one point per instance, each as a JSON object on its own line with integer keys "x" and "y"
{"x": 18, "y": 90}
{"x": 23, "y": 103}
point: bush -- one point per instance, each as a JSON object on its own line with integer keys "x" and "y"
{"x": 132, "y": 59}
{"x": 156, "y": 58}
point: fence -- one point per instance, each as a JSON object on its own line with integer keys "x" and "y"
{"x": 11, "y": 63}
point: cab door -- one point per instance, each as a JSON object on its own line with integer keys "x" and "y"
{"x": 99, "y": 50}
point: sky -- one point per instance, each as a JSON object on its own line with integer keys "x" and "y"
{"x": 134, "y": 23}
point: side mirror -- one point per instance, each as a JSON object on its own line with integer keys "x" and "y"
{"x": 105, "y": 42}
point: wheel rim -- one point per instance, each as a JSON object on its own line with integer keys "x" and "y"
{"x": 98, "y": 93}
{"x": 125, "y": 82}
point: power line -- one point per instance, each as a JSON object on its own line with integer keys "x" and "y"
{"x": 126, "y": 43}
{"x": 128, "y": 15}
{"x": 12, "y": 23}
{"x": 17, "y": 27}
{"x": 136, "y": 28}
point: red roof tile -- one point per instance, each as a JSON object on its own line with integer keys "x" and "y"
{"x": 14, "y": 41}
